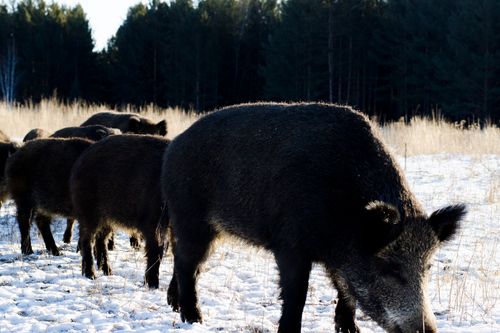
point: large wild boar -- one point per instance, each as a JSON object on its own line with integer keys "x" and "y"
{"x": 127, "y": 123}
{"x": 116, "y": 184}
{"x": 37, "y": 177}
{"x": 312, "y": 183}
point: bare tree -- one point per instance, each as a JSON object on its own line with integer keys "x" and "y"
{"x": 8, "y": 62}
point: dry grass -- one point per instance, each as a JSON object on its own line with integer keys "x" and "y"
{"x": 51, "y": 115}
{"x": 419, "y": 136}
{"x": 434, "y": 135}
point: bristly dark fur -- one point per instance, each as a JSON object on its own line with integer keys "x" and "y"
{"x": 445, "y": 221}
{"x": 116, "y": 184}
{"x": 297, "y": 179}
{"x": 37, "y": 178}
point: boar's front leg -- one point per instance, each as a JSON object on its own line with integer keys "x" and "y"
{"x": 43, "y": 224}
{"x": 294, "y": 272}
{"x": 345, "y": 310}
{"x": 68, "y": 233}
{"x": 24, "y": 215}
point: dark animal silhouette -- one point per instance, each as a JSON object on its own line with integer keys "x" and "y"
{"x": 310, "y": 183}
{"x": 92, "y": 132}
{"x": 7, "y": 148}
{"x": 36, "y": 133}
{"x": 127, "y": 123}
{"x": 116, "y": 184}
{"x": 37, "y": 178}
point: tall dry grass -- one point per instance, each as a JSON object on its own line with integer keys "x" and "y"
{"x": 434, "y": 135}
{"x": 51, "y": 115}
{"x": 419, "y": 136}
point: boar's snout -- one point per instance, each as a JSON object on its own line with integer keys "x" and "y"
{"x": 427, "y": 325}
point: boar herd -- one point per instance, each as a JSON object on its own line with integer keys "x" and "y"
{"x": 309, "y": 182}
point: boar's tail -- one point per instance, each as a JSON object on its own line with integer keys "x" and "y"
{"x": 164, "y": 221}
{"x": 163, "y": 224}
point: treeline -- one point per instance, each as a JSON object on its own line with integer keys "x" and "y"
{"x": 386, "y": 57}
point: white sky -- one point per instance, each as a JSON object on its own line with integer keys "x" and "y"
{"x": 105, "y": 16}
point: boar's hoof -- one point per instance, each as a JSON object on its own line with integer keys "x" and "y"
{"x": 88, "y": 273}
{"x": 152, "y": 282}
{"x": 135, "y": 243}
{"x": 56, "y": 252}
{"x": 191, "y": 315}
{"x": 346, "y": 327}
{"x": 27, "y": 252}
{"x": 106, "y": 270}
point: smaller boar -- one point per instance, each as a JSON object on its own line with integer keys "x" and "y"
{"x": 36, "y": 133}
{"x": 91, "y": 132}
{"x": 127, "y": 123}
{"x": 116, "y": 184}
{"x": 94, "y": 133}
{"x": 37, "y": 178}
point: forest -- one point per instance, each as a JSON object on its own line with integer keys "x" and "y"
{"x": 389, "y": 58}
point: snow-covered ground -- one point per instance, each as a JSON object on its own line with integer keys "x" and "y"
{"x": 238, "y": 287}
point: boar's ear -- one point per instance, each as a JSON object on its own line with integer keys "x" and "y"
{"x": 381, "y": 226}
{"x": 162, "y": 128}
{"x": 445, "y": 221}
{"x": 133, "y": 124}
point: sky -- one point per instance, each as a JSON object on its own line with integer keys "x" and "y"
{"x": 105, "y": 16}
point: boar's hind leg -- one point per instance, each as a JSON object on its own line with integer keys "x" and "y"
{"x": 43, "y": 224}
{"x": 101, "y": 250}
{"x": 154, "y": 254}
{"x": 191, "y": 250}
{"x": 294, "y": 272}
{"x": 88, "y": 232}
{"x": 68, "y": 233}
{"x": 24, "y": 213}
{"x": 345, "y": 311}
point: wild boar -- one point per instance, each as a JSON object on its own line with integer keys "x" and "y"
{"x": 312, "y": 183}
{"x": 37, "y": 177}
{"x": 116, "y": 184}
{"x": 127, "y": 123}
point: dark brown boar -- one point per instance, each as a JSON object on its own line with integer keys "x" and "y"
{"x": 37, "y": 178}
{"x": 92, "y": 132}
{"x": 127, "y": 123}
{"x": 312, "y": 183}
{"x": 116, "y": 184}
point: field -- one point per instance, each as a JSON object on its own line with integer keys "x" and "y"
{"x": 444, "y": 164}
